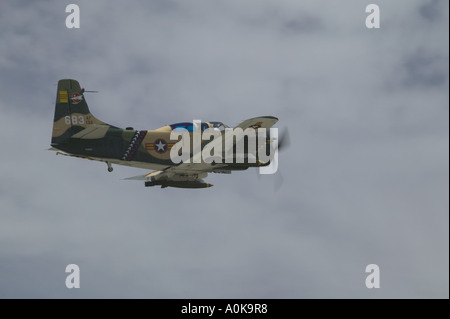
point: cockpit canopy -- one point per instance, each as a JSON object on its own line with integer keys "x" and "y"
{"x": 189, "y": 126}
{"x": 218, "y": 125}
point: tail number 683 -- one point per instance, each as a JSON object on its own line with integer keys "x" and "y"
{"x": 74, "y": 119}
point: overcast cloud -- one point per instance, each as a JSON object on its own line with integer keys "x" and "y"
{"x": 365, "y": 180}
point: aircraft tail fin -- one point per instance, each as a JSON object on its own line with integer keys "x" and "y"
{"x": 72, "y": 113}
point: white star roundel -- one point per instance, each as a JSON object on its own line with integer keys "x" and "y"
{"x": 160, "y": 146}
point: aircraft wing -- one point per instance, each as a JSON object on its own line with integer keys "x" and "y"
{"x": 256, "y": 123}
{"x": 147, "y": 177}
{"x": 259, "y": 122}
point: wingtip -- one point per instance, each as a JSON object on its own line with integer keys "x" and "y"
{"x": 269, "y": 117}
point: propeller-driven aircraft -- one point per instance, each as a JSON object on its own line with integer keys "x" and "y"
{"x": 78, "y": 133}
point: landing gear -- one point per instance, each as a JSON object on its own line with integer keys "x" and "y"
{"x": 110, "y": 168}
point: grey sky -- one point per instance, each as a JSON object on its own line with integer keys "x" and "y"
{"x": 364, "y": 181}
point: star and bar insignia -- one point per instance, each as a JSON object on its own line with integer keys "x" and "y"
{"x": 159, "y": 146}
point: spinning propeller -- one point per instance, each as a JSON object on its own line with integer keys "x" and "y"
{"x": 281, "y": 142}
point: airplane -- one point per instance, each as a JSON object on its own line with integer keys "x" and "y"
{"x": 78, "y": 133}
